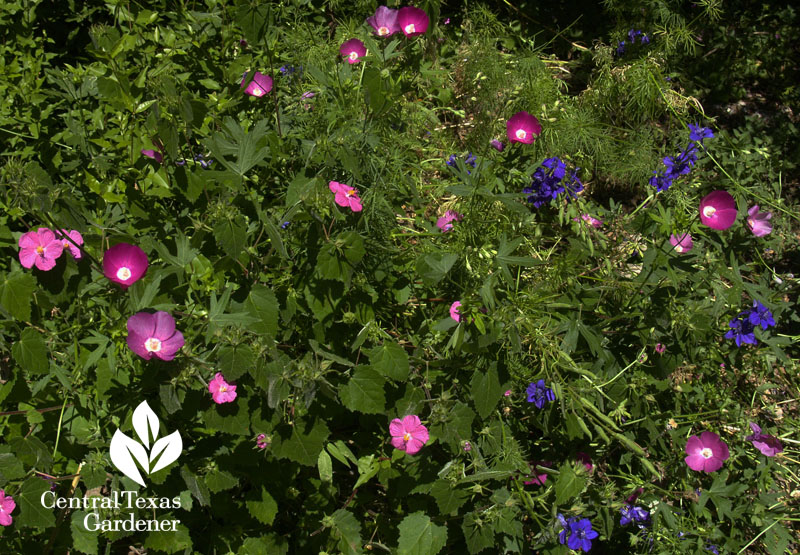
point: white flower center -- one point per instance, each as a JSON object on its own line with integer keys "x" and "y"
{"x": 406, "y": 437}
{"x": 257, "y": 92}
{"x": 679, "y": 248}
{"x": 709, "y": 211}
{"x": 707, "y": 453}
{"x": 383, "y": 31}
{"x": 152, "y": 345}
{"x": 223, "y": 388}
{"x": 751, "y": 222}
{"x": 521, "y": 134}
{"x": 410, "y": 28}
{"x": 124, "y": 273}
{"x": 353, "y": 56}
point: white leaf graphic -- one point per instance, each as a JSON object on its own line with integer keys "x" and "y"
{"x": 123, "y": 450}
{"x": 145, "y": 421}
{"x": 171, "y": 445}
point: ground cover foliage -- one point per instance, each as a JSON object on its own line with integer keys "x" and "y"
{"x": 310, "y": 239}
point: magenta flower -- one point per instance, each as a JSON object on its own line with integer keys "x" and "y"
{"x": 682, "y": 243}
{"x": 585, "y": 460}
{"x": 497, "y": 145}
{"x": 660, "y": 348}
{"x": 768, "y": 445}
{"x": 408, "y": 434}
{"x": 154, "y": 154}
{"x": 154, "y": 334}
{"x": 523, "y": 128}
{"x": 124, "y": 263}
{"x": 718, "y": 210}
{"x": 7, "y": 506}
{"x": 454, "y": 313}
{"x": 758, "y": 222}
{"x": 594, "y": 222}
{"x": 537, "y": 479}
{"x": 39, "y": 247}
{"x": 222, "y": 392}
{"x": 76, "y": 237}
{"x": 353, "y": 49}
{"x": 444, "y": 223}
{"x": 259, "y": 86}
{"x": 261, "y": 440}
{"x": 345, "y": 195}
{"x": 507, "y": 393}
{"x": 706, "y": 453}
{"x": 412, "y": 21}
{"x": 384, "y": 21}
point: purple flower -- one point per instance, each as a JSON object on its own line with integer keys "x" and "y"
{"x": 549, "y": 182}
{"x": 384, "y": 21}
{"x": 445, "y": 222}
{"x": 412, "y": 21}
{"x": 758, "y": 222}
{"x": 660, "y": 348}
{"x": 645, "y": 39}
{"x": 760, "y": 315}
{"x": 154, "y": 335}
{"x": 683, "y": 243}
{"x": 539, "y": 394}
{"x": 633, "y": 514}
{"x": 741, "y": 331}
{"x": 712, "y": 548}
{"x": 769, "y": 445}
{"x": 581, "y": 534}
{"x": 259, "y": 86}
{"x": 718, "y": 210}
{"x": 124, "y": 264}
{"x": 308, "y": 94}
{"x": 698, "y": 133}
{"x": 353, "y": 50}
{"x": 154, "y": 154}
{"x": 523, "y": 128}
{"x": 497, "y": 145}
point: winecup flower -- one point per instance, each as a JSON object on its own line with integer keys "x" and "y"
{"x": 706, "y": 453}
{"x": 40, "y": 248}
{"x": 154, "y": 335}
{"x": 408, "y": 434}
{"x": 221, "y": 391}
{"x": 412, "y": 21}
{"x": 384, "y": 21}
{"x": 523, "y": 128}
{"x": 353, "y": 50}
{"x": 718, "y": 210}
{"x": 768, "y": 445}
{"x": 683, "y": 243}
{"x": 124, "y": 263}
{"x": 259, "y": 86}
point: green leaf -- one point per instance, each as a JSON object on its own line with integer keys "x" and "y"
{"x": 364, "y": 391}
{"x": 419, "y": 536}
{"x": 263, "y": 304}
{"x": 169, "y": 542}
{"x": 486, "y": 390}
{"x": 304, "y": 444}
{"x": 391, "y": 360}
{"x": 197, "y": 487}
{"x": 448, "y": 496}
{"x": 569, "y": 484}
{"x": 10, "y": 467}
{"x": 325, "y": 466}
{"x": 478, "y": 533}
{"x": 433, "y": 267}
{"x": 231, "y": 235}
{"x": 236, "y": 361}
{"x": 30, "y": 352}
{"x": 368, "y": 467}
{"x": 221, "y": 480}
{"x": 31, "y": 512}
{"x": 83, "y": 540}
{"x": 16, "y": 292}
{"x": 346, "y": 528}
{"x": 231, "y": 418}
{"x": 264, "y": 510}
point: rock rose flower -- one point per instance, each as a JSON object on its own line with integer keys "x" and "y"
{"x": 408, "y": 434}
{"x": 222, "y": 392}
{"x": 39, "y": 248}
{"x": 345, "y": 196}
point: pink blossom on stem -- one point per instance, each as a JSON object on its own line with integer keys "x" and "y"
{"x": 124, "y": 264}
{"x": 154, "y": 154}
{"x": 454, "y": 313}
{"x": 718, "y": 210}
{"x": 412, "y": 21}
{"x": 7, "y": 506}
{"x": 683, "y": 243}
{"x": 445, "y": 222}
{"x": 221, "y": 391}
{"x": 259, "y": 86}
{"x": 384, "y": 21}
{"x": 353, "y": 50}
{"x": 408, "y": 434}
{"x": 523, "y": 128}
{"x": 769, "y": 445}
{"x": 39, "y": 248}
{"x": 70, "y": 245}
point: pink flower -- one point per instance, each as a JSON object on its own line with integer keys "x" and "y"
{"x": 412, "y": 21}
{"x": 154, "y": 154}
{"x": 497, "y": 145}
{"x": 660, "y": 348}
{"x": 345, "y": 195}
{"x": 444, "y": 223}
{"x": 718, "y": 210}
{"x": 408, "y": 434}
{"x": 507, "y": 393}
{"x": 585, "y": 460}
{"x": 758, "y": 222}
{"x": 76, "y": 237}
{"x": 353, "y": 49}
{"x": 467, "y": 446}
{"x": 384, "y": 21}
{"x": 259, "y": 86}
{"x": 523, "y": 128}
{"x": 706, "y": 453}
{"x": 537, "y": 479}
{"x": 154, "y": 334}
{"x": 594, "y": 222}
{"x": 222, "y": 392}
{"x": 454, "y": 313}
{"x": 261, "y": 440}
{"x": 41, "y": 248}
{"x": 768, "y": 445}
{"x": 682, "y": 243}
{"x": 7, "y": 506}
{"x": 124, "y": 264}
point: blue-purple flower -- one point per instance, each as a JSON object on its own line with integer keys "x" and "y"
{"x": 539, "y": 394}
{"x": 744, "y": 325}
{"x": 549, "y": 182}
{"x": 698, "y": 133}
{"x": 577, "y": 533}
{"x": 630, "y": 513}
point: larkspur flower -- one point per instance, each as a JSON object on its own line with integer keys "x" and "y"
{"x": 412, "y": 21}
{"x": 706, "y": 452}
{"x": 259, "y": 86}
{"x": 523, "y": 128}
{"x": 760, "y": 315}
{"x": 758, "y": 222}
{"x": 630, "y": 513}
{"x": 77, "y": 239}
{"x": 154, "y": 335}
{"x": 408, "y": 434}
{"x": 124, "y": 264}
{"x": 581, "y": 534}
{"x": 549, "y": 181}
{"x": 154, "y": 154}
{"x": 353, "y": 50}
{"x": 221, "y": 391}
{"x": 7, "y": 506}
{"x": 698, "y": 133}
{"x": 683, "y": 243}
{"x": 384, "y": 21}
{"x": 712, "y": 548}
{"x": 497, "y": 145}
{"x": 284, "y": 225}
{"x": 620, "y": 48}
{"x": 40, "y": 248}
{"x": 769, "y": 445}
{"x": 445, "y": 223}
{"x": 454, "y": 313}
{"x": 539, "y": 394}
{"x": 742, "y": 331}
{"x": 718, "y": 210}
{"x": 345, "y": 195}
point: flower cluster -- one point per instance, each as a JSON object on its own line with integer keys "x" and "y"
{"x": 744, "y": 325}
{"x": 41, "y": 248}
{"x": 539, "y": 394}
{"x": 684, "y": 162}
{"x": 577, "y": 533}
{"x": 410, "y": 20}
{"x": 549, "y": 182}
{"x": 630, "y": 513}
{"x": 633, "y": 34}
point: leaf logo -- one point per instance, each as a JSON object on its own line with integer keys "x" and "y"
{"x": 126, "y": 452}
